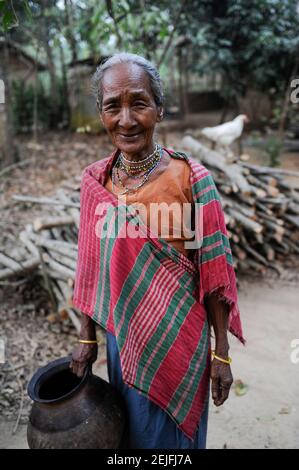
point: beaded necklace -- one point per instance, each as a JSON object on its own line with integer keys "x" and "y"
{"x": 115, "y": 170}
{"x": 135, "y": 167}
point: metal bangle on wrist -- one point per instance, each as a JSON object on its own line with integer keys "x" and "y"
{"x": 88, "y": 341}
{"x": 225, "y": 361}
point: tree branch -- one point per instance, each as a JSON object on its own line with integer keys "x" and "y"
{"x": 109, "y": 5}
{"x": 168, "y": 44}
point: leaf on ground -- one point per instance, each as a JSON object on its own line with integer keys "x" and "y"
{"x": 240, "y": 388}
{"x": 285, "y": 410}
{"x": 265, "y": 419}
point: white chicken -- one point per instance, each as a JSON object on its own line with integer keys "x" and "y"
{"x": 225, "y": 134}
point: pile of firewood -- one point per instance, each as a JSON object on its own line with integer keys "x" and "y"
{"x": 49, "y": 246}
{"x": 261, "y": 209}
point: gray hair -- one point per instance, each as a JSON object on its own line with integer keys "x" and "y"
{"x": 126, "y": 57}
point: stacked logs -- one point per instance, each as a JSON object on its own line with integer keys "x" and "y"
{"x": 50, "y": 244}
{"x": 261, "y": 208}
{"x": 262, "y": 215}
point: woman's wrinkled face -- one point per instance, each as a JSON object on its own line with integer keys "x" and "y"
{"x": 129, "y": 112}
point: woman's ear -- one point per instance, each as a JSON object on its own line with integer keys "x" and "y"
{"x": 160, "y": 113}
{"x": 100, "y": 112}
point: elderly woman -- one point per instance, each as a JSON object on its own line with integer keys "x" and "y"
{"x": 156, "y": 296}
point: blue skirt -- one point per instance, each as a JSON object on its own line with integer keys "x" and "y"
{"x": 149, "y": 427}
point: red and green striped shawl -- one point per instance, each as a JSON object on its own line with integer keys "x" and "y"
{"x": 151, "y": 297}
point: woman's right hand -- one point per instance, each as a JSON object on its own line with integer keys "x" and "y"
{"x": 82, "y": 357}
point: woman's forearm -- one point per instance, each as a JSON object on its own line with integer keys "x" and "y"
{"x": 88, "y": 330}
{"x": 218, "y": 311}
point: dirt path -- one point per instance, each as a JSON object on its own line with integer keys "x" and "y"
{"x": 267, "y": 416}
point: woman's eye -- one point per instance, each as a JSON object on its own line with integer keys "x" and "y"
{"x": 111, "y": 107}
{"x": 140, "y": 104}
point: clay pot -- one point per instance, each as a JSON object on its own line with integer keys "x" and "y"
{"x": 74, "y": 413}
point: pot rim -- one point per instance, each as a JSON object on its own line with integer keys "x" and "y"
{"x": 50, "y": 369}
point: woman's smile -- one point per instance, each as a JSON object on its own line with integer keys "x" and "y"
{"x": 130, "y": 136}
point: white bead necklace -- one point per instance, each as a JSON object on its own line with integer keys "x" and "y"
{"x": 145, "y": 177}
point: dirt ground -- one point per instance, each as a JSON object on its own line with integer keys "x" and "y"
{"x": 266, "y": 416}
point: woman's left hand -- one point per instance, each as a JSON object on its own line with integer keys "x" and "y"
{"x": 222, "y": 380}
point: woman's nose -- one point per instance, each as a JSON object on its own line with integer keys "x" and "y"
{"x": 126, "y": 118}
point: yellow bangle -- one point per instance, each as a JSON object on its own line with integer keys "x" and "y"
{"x": 226, "y": 361}
{"x": 87, "y": 341}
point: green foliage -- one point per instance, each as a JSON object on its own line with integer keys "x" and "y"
{"x": 8, "y": 14}
{"x": 23, "y": 106}
{"x": 252, "y": 44}
{"x": 272, "y": 148}
{"x": 269, "y": 148}
{"x": 132, "y": 27}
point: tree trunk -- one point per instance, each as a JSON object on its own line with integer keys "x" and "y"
{"x": 286, "y": 103}
{"x": 68, "y": 6}
{"x": 8, "y": 151}
{"x": 66, "y": 117}
{"x": 54, "y": 112}
{"x": 53, "y": 86}
{"x": 35, "y": 97}
{"x": 182, "y": 92}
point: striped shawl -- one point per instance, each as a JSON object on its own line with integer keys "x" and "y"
{"x": 150, "y": 296}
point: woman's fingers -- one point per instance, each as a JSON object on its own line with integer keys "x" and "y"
{"x": 83, "y": 356}
{"x": 224, "y": 392}
{"x": 81, "y": 369}
{"x": 78, "y": 368}
{"x": 222, "y": 380}
{"x": 215, "y": 389}
{"x": 225, "y": 385}
{"x": 74, "y": 366}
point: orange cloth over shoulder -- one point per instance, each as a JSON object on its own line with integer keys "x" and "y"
{"x": 170, "y": 186}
